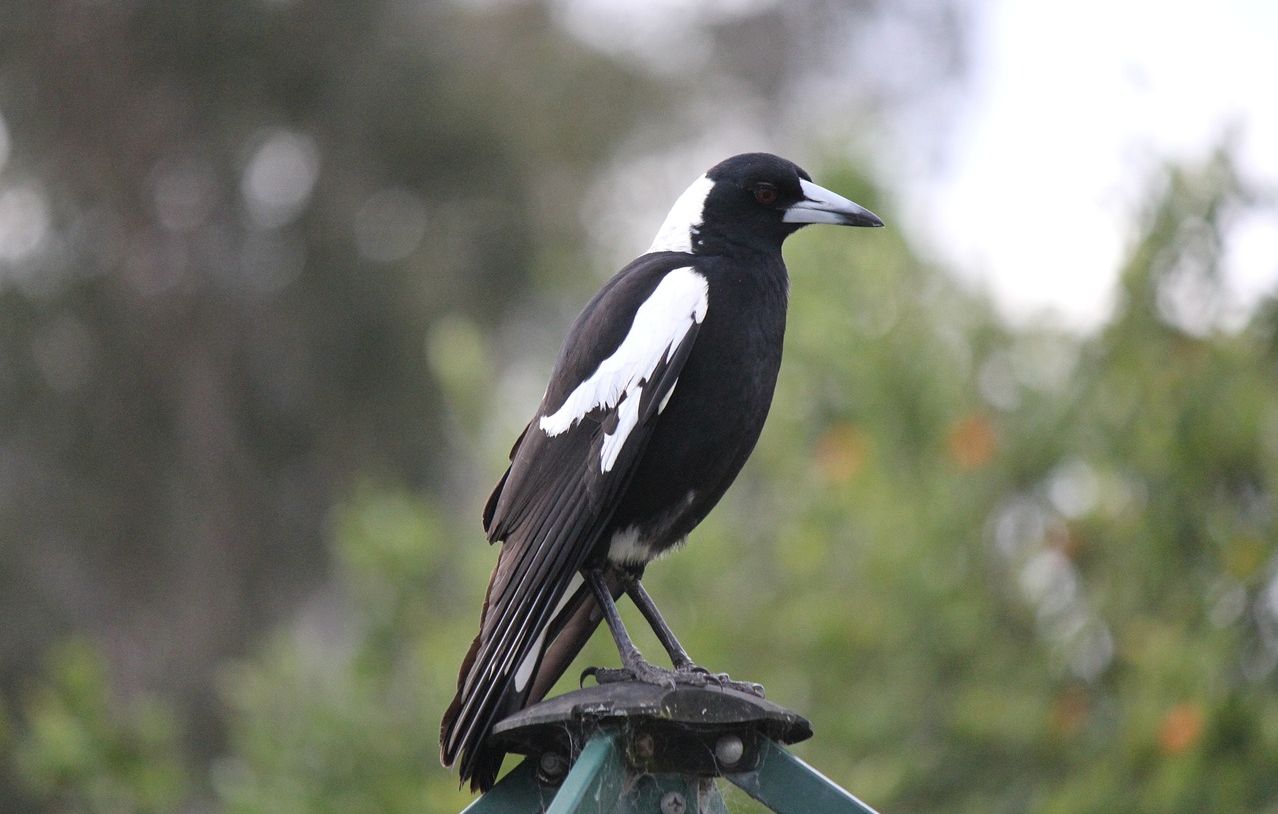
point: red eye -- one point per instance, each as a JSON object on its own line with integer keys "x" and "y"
{"x": 765, "y": 193}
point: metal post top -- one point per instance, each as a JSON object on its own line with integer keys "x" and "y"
{"x": 633, "y": 747}
{"x": 663, "y": 728}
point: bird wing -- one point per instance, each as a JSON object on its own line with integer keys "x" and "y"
{"x": 618, "y": 368}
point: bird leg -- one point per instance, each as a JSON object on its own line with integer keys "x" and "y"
{"x": 634, "y": 666}
{"x": 678, "y": 656}
{"x": 683, "y": 664}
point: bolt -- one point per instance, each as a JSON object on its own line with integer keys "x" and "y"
{"x": 728, "y": 750}
{"x": 672, "y": 802}
{"x": 552, "y": 765}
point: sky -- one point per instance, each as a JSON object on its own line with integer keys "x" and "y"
{"x": 1048, "y": 152}
{"x": 1072, "y": 109}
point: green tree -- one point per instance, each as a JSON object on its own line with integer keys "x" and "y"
{"x": 80, "y": 752}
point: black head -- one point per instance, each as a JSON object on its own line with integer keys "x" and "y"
{"x": 752, "y": 201}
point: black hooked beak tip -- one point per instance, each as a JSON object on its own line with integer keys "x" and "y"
{"x": 820, "y": 205}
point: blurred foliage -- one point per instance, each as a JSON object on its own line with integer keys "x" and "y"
{"x": 342, "y": 714}
{"x": 298, "y": 295}
{"x": 80, "y": 752}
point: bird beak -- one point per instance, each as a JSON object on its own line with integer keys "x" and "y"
{"x": 820, "y": 205}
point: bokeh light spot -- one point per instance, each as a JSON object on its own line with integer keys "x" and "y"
{"x": 24, "y": 221}
{"x": 279, "y": 178}
{"x": 4, "y": 142}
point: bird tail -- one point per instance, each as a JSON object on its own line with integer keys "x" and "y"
{"x": 465, "y": 726}
{"x": 484, "y": 697}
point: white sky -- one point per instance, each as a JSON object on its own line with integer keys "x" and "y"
{"x": 1069, "y": 113}
{"x": 1073, "y": 107}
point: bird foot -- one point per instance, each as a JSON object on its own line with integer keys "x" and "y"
{"x": 689, "y": 675}
{"x": 640, "y": 671}
{"x": 701, "y": 676}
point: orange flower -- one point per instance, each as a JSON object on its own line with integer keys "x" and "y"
{"x": 1182, "y": 725}
{"x": 971, "y": 441}
{"x": 840, "y": 453}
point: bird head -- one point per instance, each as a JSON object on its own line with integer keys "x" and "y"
{"x": 755, "y": 201}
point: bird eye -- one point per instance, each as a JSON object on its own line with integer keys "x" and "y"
{"x": 765, "y": 193}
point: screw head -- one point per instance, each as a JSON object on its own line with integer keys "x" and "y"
{"x": 552, "y": 765}
{"x": 728, "y": 750}
{"x": 672, "y": 802}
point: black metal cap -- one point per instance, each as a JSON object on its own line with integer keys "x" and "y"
{"x": 662, "y": 728}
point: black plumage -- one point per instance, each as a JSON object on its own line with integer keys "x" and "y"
{"x": 656, "y": 400}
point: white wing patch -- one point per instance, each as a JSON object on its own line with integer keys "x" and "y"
{"x": 627, "y": 418}
{"x": 662, "y": 321}
{"x": 675, "y": 234}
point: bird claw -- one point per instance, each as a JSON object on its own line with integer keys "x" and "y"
{"x": 748, "y": 687}
{"x": 698, "y": 676}
{"x": 701, "y": 677}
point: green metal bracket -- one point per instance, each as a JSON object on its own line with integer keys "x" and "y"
{"x": 595, "y": 782}
{"x": 787, "y": 785}
{"x": 640, "y": 749}
{"x": 518, "y": 791}
{"x": 600, "y": 782}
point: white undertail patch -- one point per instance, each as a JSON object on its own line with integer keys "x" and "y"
{"x": 661, "y": 323}
{"x": 685, "y": 217}
{"x": 628, "y": 548}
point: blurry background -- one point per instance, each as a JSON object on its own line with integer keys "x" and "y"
{"x": 281, "y": 281}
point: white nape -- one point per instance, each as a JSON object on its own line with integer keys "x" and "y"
{"x": 684, "y": 218}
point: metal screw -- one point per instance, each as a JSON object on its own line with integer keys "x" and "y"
{"x": 672, "y": 802}
{"x": 728, "y": 750}
{"x": 552, "y": 765}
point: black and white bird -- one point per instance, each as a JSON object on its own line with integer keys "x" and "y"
{"x": 656, "y": 400}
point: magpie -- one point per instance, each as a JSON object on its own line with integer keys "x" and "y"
{"x": 656, "y": 400}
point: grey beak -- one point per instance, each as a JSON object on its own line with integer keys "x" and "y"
{"x": 820, "y": 205}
